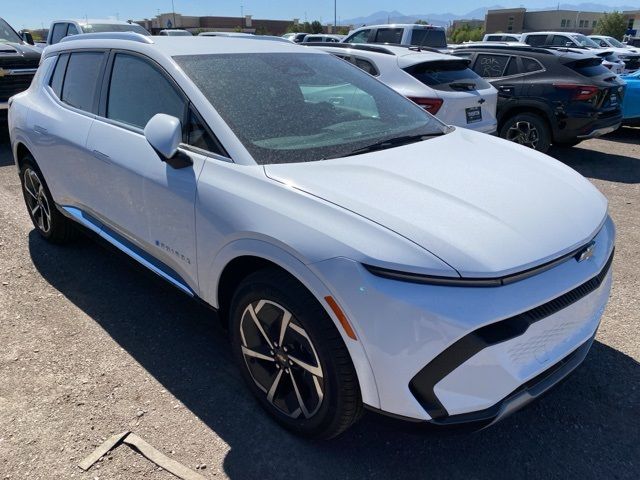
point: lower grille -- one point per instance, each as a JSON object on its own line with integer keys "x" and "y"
{"x": 12, "y": 84}
{"x": 423, "y": 383}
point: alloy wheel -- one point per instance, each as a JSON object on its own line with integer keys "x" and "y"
{"x": 524, "y": 133}
{"x": 281, "y": 359}
{"x": 37, "y": 200}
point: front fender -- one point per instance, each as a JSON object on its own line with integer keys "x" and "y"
{"x": 298, "y": 269}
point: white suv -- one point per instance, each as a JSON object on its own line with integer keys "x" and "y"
{"x": 401, "y": 34}
{"x": 441, "y": 84}
{"x": 360, "y": 251}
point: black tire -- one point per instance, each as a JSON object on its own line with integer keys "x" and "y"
{"x": 527, "y": 129}
{"x": 567, "y": 143}
{"x": 341, "y": 403}
{"x": 48, "y": 221}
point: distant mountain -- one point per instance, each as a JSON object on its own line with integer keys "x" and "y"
{"x": 444, "y": 19}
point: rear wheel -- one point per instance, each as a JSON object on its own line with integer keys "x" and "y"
{"x": 527, "y": 129}
{"x": 49, "y": 222}
{"x": 292, "y": 356}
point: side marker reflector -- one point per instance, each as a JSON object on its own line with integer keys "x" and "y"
{"x": 342, "y": 318}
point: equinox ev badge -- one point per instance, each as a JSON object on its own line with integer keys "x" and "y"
{"x": 586, "y": 253}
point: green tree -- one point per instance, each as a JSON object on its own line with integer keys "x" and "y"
{"x": 421, "y": 22}
{"x": 612, "y": 24}
{"x": 465, "y": 33}
{"x": 316, "y": 27}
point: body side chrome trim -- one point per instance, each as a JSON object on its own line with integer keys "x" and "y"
{"x": 127, "y": 247}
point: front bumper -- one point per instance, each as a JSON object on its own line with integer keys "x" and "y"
{"x": 406, "y": 327}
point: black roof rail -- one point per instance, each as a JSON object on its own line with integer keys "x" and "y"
{"x": 355, "y": 46}
{"x": 498, "y": 46}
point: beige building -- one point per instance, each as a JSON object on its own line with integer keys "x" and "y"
{"x": 519, "y": 20}
{"x": 633, "y": 19}
{"x": 245, "y": 24}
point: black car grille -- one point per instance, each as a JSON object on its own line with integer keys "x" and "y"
{"x": 12, "y": 84}
{"x": 10, "y": 62}
{"x": 632, "y": 63}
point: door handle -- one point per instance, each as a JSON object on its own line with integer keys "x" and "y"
{"x": 103, "y": 157}
{"x": 40, "y": 130}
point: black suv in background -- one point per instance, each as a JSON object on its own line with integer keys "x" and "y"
{"x": 18, "y": 63}
{"x": 548, "y": 96}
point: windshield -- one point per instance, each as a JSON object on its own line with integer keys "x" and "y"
{"x": 302, "y": 107}
{"x": 8, "y": 34}
{"x": 585, "y": 41}
{"x": 615, "y": 43}
{"x": 114, "y": 27}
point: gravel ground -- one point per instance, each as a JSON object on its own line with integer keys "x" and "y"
{"x": 91, "y": 345}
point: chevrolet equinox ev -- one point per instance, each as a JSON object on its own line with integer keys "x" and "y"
{"x": 361, "y": 252}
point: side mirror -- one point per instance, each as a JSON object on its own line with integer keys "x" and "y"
{"x": 27, "y": 37}
{"x": 164, "y": 134}
{"x": 569, "y": 44}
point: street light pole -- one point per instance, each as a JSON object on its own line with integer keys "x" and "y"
{"x": 173, "y": 9}
{"x": 335, "y": 14}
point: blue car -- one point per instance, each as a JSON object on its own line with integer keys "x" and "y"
{"x": 631, "y": 102}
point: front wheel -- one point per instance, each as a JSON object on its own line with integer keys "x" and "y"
{"x": 527, "y": 129}
{"x": 49, "y": 222}
{"x": 292, "y": 356}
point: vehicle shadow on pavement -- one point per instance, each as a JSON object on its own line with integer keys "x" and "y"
{"x": 587, "y": 427}
{"x": 601, "y": 165}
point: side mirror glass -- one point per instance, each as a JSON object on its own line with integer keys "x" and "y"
{"x": 27, "y": 37}
{"x": 164, "y": 134}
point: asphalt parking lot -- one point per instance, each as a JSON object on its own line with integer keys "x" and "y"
{"x": 92, "y": 345}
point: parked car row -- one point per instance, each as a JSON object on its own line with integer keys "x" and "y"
{"x": 552, "y": 87}
{"x": 362, "y": 253}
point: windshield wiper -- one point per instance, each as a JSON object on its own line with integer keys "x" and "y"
{"x": 392, "y": 142}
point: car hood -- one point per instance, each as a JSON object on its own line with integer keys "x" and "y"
{"x": 19, "y": 55}
{"x": 485, "y": 206}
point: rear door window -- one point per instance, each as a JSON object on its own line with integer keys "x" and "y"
{"x": 138, "y": 91}
{"x": 360, "y": 37}
{"x": 389, "y": 35}
{"x": 59, "y": 32}
{"x": 81, "y": 80}
{"x": 490, "y": 65}
{"x": 429, "y": 37}
{"x": 448, "y": 76}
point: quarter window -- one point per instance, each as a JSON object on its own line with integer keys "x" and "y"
{"x": 81, "y": 79}
{"x": 529, "y": 65}
{"x": 198, "y": 136}
{"x": 58, "y": 74}
{"x": 138, "y": 91}
{"x": 72, "y": 30}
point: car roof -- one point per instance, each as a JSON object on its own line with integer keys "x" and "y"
{"x": 173, "y": 46}
{"x": 90, "y": 21}
{"x": 514, "y": 48}
{"x": 407, "y": 56}
{"x": 401, "y": 25}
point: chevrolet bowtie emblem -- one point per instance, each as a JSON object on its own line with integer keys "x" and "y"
{"x": 586, "y": 253}
{"x": 3, "y": 72}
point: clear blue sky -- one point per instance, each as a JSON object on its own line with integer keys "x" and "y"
{"x": 34, "y": 13}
